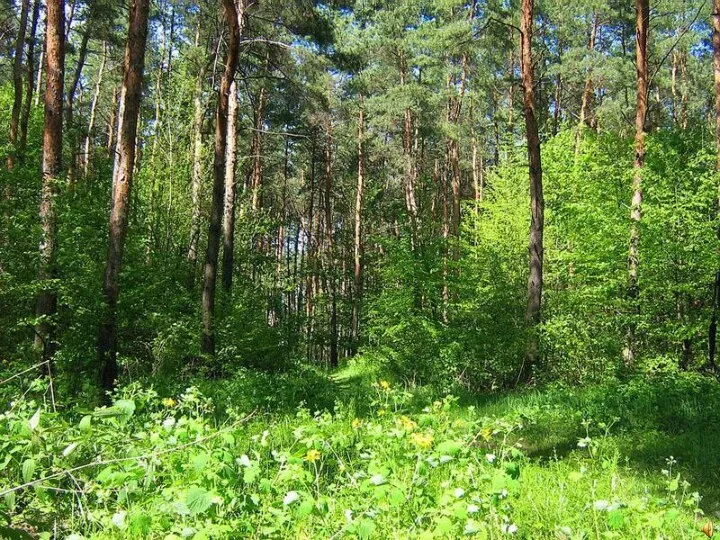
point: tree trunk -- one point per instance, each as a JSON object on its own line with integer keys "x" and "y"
{"x": 537, "y": 203}
{"x": 233, "y": 19}
{"x": 558, "y": 104}
{"x": 17, "y": 84}
{"x": 123, "y": 171}
{"x": 30, "y": 82}
{"x": 197, "y": 176}
{"x": 257, "y": 167}
{"x": 357, "y": 244}
{"x": 154, "y": 183}
{"x": 70, "y": 99}
{"x": 309, "y": 242}
{"x": 93, "y": 111}
{"x": 230, "y": 192}
{"x": 410, "y": 169}
{"x": 477, "y": 167}
{"x": 330, "y": 259}
{"x": 38, "y": 81}
{"x": 642, "y": 15}
{"x": 587, "y": 116}
{"x": 51, "y": 165}
{"x": 716, "y": 60}
{"x": 441, "y": 180}
{"x": 112, "y": 124}
{"x": 453, "y": 152}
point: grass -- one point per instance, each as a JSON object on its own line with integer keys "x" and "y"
{"x": 637, "y": 459}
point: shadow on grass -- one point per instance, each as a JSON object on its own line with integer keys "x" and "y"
{"x": 651, "y": 420}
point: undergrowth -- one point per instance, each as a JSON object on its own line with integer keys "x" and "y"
{"x": 621, "y": 460}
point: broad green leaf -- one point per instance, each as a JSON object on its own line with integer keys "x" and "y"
{"x": 86, "y": 424}
{"x": 365, "y": 529}
{"x": 444, "y": 525}
{"x": 34, "y": 422}
{"x": 198, "y": 500}
{"x": 305, "y": 508}
{"x": 126, "y": 407}
{"x": 449, "y": 448}
{"x": 28, "y": 470}
{"x": 396, "y": 497}
{"x": 616, "y": 519}
{"x": 200, "y": 461}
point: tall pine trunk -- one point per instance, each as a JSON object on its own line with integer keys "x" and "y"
{"x": 357, "y": 238}
{"x": 716, "y": 61}
{"x": 712, "y": 334}
{"x": 537, "y": 203}
{"x": 230, "y": 192}
{"x": 409, "y": 158}
{"x": 256, "y": 150}
{"x": 70, "y": 100}
{"x": 330, "y": 258}
{"x": 221, "y": 121}
{"x": 197, "y": 175}
{"x": 30, "y": 77}
{"x": 93, "y": 112}
{"x": 17, "y": 83}
{"x": 642, "y": 16}
{"x": 51, "y": 165}
{"x": 123, "y": 171}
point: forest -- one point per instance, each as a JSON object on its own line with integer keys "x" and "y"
{"x": 359, "y": 269}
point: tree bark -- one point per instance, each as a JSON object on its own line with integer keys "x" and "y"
{"x": 70, "y": 99}
{"x": 112, "y": 124}
{"x": 230, "y": 192}
{"x": 51, "y": 165}
{"x": 330, "y": 259}
{"x": 17, "y": 84}
{"x": 357, "y": 239}
{"x": 587, "y": 116}
{"x": 716, "y": 63}
{"x": 233, "y": 19}
{"x": 30, "y": 81}
{"x": 453, "y": 151}
{"x": 642, "y": 16}
{"x": 537, "y": 203}
{"x": 712, "y": 334}
{"x": 123, "y": 171}
{"x": 410, "y": 168}
{"x": 38, "y": 81}
{"x": 197, "y": 176}
{"x": 93, "y": 110}
{"x": 256, "y": 150}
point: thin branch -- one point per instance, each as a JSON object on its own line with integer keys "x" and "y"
{"x": 685, "y": 30}
{"x": 23, "y": 372}
{"x": 265, "y": 40}
{"x": 131, "y": 458}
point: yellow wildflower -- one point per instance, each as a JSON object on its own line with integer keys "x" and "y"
{"x": 169, "y": 402}
{"x": 486, "y": 433}
{"x": 422, "y": 440}
{"x": 312, "y": 456}
{"x": 407, "y": 423}
{"x": 385, "y": 385}
{"x": 356, "y": 423}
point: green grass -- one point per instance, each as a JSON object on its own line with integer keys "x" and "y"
{"x": 637, "y": 459}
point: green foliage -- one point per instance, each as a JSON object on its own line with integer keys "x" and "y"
{"x": 535, "y": 465}
{"x": 476, "y": 339}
